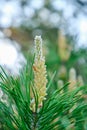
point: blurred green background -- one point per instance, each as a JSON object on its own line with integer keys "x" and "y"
{"x": 63, "y": 27}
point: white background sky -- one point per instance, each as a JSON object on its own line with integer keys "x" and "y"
{"x": 12, "y": 14}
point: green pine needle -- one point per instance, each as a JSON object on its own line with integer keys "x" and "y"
{"x": 60, "y": 111}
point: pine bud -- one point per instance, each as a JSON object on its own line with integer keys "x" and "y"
{"x": 72, "y": 79}
{"x": 64, "y": 49}
{"x": 40, "y": 74}
{"x": 60, "y": 85}
{"x": 80, "y": 80}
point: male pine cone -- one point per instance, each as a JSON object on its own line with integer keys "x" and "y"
{"x": 40, "y": 74}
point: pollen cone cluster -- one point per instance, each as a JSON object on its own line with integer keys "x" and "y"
{"x": 40, "y": 76}
{"x": 64, "y": 49}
